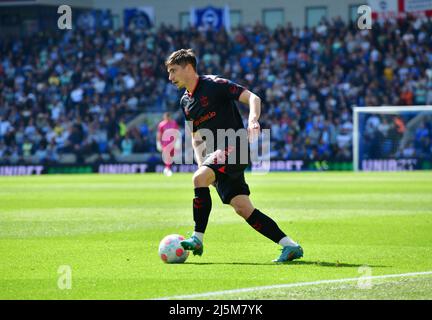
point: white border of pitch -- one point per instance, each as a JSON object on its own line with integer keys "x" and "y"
{"x": 290, "y": 285}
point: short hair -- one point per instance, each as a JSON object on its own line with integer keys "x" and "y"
{"x": 182, "y": 57}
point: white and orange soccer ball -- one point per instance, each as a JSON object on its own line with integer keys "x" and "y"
{"x": 171, "y": 251}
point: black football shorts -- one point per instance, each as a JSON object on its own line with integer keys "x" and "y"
{"x": 230, "y": 180}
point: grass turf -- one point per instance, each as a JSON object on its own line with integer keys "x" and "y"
{"x": 107, "y": 228}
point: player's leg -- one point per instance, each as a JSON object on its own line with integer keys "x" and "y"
{"x": 202, "y": 205}
{"x": 202, "y": 202}
{"x": 258, "y": 220}
{"x": 267, "y": 227}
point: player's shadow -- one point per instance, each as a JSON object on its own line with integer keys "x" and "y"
{"x": 334, "y": 264}
{"x": 317, "y": 263}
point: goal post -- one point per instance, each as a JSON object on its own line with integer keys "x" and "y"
{"x": 392, "y": 138}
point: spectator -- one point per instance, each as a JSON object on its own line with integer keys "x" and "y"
{"x": 127, "y": 145}
{"x": 308, "y": 79}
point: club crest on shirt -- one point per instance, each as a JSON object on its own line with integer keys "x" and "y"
{"x": 204, "y": 101}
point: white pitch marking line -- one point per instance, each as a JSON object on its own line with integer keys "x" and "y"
{"x": 292, "y": 285}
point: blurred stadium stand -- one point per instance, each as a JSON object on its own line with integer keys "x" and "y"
{"x": 95, "y": 93}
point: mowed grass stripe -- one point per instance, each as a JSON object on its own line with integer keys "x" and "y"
{"x": 107, "y": 229}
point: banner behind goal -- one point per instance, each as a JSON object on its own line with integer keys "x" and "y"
{"x": 392, "y": 138}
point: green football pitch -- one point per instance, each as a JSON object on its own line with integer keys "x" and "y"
{"x": 365, "y": 236}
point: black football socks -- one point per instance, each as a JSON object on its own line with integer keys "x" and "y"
{"x": 265, "y": 225}
{"x": 202, "y": 205}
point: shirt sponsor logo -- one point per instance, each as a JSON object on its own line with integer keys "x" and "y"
{"x": 204, "y": 118}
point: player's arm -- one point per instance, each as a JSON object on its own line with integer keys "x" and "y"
{"x": 199, "y": 147}
{"x": 254, "y": 102}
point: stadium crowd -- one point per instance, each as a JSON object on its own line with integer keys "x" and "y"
{"x": 76, "y": 91}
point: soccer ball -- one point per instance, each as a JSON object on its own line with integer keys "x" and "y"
{"x": 171, "y": 251}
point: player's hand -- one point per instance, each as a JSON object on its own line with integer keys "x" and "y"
{"x": 219, "y": 157}
{"x": 158, "y": 146}
{"x": 253, "y": 130}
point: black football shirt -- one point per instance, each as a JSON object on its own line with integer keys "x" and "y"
{"x": 212, "y": 106}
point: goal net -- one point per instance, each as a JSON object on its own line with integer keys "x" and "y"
{"x": 392, "y": 138}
